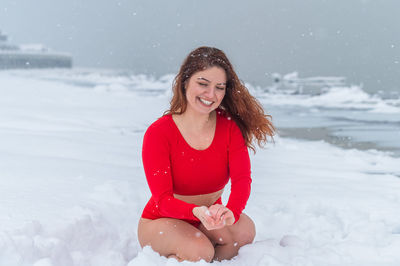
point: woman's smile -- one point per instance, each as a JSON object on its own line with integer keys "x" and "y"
{"x": 205, "y": 102}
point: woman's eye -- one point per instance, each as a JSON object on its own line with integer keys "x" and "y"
{"x": 221, "y": 88}
{"x": 203, "y": 84}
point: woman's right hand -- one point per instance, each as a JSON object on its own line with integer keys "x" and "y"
{"x": 207, "y": 219}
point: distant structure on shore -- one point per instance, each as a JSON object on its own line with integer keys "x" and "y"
{"x": 30, "y": 56}
{"x": 293, "y": 83}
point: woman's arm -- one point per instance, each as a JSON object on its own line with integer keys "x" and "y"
{"x": 239, "y": 171}
{"x": 156, "y": 163}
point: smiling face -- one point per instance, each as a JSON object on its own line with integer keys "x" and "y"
{"x": 205, "y": 90}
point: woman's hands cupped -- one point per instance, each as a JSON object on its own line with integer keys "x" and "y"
{"x": 214, "y": 217}
{"x": 222, "y": 214}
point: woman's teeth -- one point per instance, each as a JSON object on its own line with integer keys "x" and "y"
{"x": 205, "y": 101}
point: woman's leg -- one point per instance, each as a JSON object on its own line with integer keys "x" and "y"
{"x": 229, "y": 239}
{"x": 175, "y": 238}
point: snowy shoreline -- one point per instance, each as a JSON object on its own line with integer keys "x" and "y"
{"x": 72, "y": 187}
{"x": 328, "y": 135}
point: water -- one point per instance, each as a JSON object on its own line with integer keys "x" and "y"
{"x": 344, "y": 116}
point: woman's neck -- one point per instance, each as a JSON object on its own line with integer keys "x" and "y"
{"x": 197, "y": 121}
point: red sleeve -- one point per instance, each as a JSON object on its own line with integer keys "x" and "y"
{"x": 156, "y": 163}
{"x": 239, "y": 171}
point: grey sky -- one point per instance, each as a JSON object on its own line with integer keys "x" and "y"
{"x": 358, "y": 39}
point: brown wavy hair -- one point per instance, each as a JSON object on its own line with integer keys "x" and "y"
{"x": 238, "y": 103}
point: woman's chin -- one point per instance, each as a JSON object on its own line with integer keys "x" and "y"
{"x": 203, "y": 109}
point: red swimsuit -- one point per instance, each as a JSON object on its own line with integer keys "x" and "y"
{"x": 172, "y": 166}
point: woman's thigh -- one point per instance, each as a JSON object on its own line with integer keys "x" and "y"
{"x": 240, "y": 233}
{"x": 169, "y": 236}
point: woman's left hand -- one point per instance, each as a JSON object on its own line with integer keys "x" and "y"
{"x": 221, "y": 214}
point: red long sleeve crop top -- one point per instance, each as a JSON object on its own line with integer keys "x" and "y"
{"x": 172, "y": 166}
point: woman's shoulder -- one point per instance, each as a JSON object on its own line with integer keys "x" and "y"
{"x": 161, "y": 125}
{"x": 229, "y": 125}
{"x": 222, "y": 114}
{"x": 225, "y": 118}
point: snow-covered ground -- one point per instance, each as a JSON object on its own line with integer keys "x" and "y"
{"x": 72, "y": 186}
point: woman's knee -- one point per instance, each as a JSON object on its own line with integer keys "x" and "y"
{"x": 247, "y": 231}
{"x": 177, "y": 238}
{"x": 246, "y": 237}
{"x": 200, "y": 248}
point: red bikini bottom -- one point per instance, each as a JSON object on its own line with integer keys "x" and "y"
{"x": 151, "y": 212}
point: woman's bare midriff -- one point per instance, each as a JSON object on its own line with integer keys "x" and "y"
{"x": 200, "y": 200}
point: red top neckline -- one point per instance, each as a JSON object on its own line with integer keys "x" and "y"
{"x": 187, "y": 144}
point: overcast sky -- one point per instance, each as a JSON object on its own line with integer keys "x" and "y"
{"x": 359, "y": 39}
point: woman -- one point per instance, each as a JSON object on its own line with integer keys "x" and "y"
{"x": 190, "y": 153}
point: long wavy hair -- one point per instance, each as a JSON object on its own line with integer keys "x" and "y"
{"x": 238, "y": 103}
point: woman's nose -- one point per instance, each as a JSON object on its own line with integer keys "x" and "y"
{"x": 210, "y": 92}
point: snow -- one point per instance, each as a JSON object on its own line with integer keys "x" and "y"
{"x": 73, "y": 188}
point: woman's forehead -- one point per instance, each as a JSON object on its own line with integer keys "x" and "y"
{"x": 212, "y": 74}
